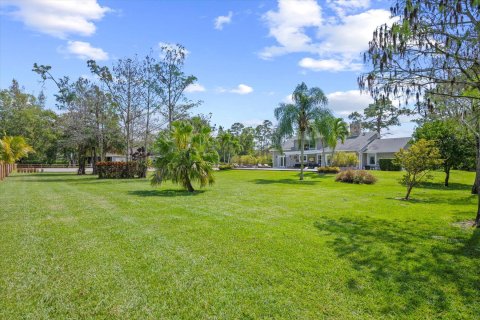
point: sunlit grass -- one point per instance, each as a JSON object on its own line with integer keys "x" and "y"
{"x": 258, "y": 244}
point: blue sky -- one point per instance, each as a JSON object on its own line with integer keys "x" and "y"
{"x": 247, "y": 55}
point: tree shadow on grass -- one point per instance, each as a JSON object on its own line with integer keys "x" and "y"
{"x": 468, "y": 200}
{"x": 421, "y": 267}
{"x": 284, "y": 181}
{"x": 441, "y": 186}
{"x": 309, "y": 179}
{"x": 165, "y": 193}
{"x": 47, "y": 177}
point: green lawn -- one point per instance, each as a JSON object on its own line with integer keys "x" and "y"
{"x": 258, "y": 244}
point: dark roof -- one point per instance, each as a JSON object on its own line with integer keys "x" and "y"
{"x": 288, "y": 144}
{"x": 388, "y": 145}
{"x": 356, "y": 143}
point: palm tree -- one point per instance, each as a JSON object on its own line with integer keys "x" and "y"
{"x": 13, "y": 148}
{"x": 298, "y": 117}
{"x": 224, "y": 140}
{"x": 187, "y": 154}
{"x": 322, "y": 127}
{"x": 338, "y": 131}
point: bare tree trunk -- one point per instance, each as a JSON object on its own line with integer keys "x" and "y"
{"x": 477, "y": 183}
{"x": 81, "y": 161}
{"x": 409, "y": 190}
{"x": 94, "y": 161}
{"x": 447, "y": 175}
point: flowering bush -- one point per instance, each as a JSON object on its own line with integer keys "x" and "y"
{"x": 356, "y": 176}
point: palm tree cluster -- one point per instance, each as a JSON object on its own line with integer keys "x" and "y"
{"x": 13, "y": 148}
{"x": 186, "y": 154}
{"x": 308, "y": 117}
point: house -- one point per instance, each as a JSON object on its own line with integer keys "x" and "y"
{"x": 368, "y": 146}
{"x": 383, "y": 149}
{"x": 114, "y": 157}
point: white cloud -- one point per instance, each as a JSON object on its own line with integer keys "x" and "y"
{"x": 220, "y": 21}
{"x": 288, "y": 24}
{"x": 288, "y": 99}
{"x": 85, "y": 51}
{"x": 343, "y": 103}
{"x": 328, "y": 65}
{"x": 336, "y": 41}
{"x": 59, "y": 18}
{"x": 341, "y": 7}
{"x": 242, "y": 89}
{"x": 195, "y": 87}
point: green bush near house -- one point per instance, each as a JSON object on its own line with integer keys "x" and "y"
{"x": 225, "y": 166}
{"x": 389, "y": 165}
{"x": 345, "y": 159}
{"x": 328, "y": 170}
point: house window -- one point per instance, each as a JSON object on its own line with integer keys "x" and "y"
{"x": 309, "y": 145}
{"x": 304, "y": 158}
{"x": 371, "y": 159}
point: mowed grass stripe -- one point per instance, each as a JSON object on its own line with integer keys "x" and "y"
{"x": 255, "y": 245}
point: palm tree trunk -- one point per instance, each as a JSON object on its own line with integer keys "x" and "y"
{"x": 189, "y": 185}
{"x": 302, "y": 142}
{"x": 324, "y": 161}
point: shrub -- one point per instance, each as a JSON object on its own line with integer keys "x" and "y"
{"x": 345, "y": 159}
{"x": 389, "y": 165}
{"x": 225, "y": 166}
{"x": 328, "y": 170}
{"x": 356, "y": 176}
{"x": 119, "y": 170}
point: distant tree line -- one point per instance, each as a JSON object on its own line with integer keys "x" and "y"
{"x": 122, "y": 110}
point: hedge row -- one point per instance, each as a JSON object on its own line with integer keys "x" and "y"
{"x": 389, "y": 165}
{"x": 119, "y": 170}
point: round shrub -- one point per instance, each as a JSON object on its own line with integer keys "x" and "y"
{"x": 356, "y": 176}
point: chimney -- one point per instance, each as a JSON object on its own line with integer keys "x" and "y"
{"x": 355, "y": 129}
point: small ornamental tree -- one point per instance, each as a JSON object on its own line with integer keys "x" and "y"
{"x": 187, "y": 154}
{"x": 453, "y": 142}
{"x": 417, "y": 161}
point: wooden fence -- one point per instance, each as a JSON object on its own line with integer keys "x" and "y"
{"x": 6, "y": 169}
